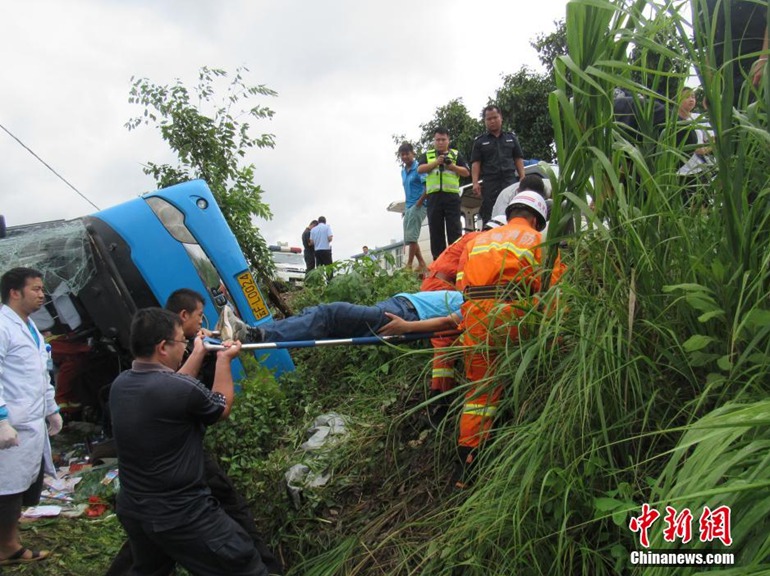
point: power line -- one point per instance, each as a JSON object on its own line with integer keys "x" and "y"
{"x": 62, "y": 178}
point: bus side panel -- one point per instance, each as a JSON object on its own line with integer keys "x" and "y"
{"x": 155, "y": 252}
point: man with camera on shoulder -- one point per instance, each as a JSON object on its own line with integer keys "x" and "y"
{"x": 444, "y": 167}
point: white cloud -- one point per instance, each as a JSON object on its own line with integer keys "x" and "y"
{"x": 349, "y": 75}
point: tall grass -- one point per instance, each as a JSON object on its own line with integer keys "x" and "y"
{"x": 667, "y": 321}
{"x": 648, "y": 384}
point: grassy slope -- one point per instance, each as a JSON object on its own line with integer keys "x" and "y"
{"x": 648, "y": 386}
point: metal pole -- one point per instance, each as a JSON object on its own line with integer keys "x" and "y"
{"x": 358, "y": 341}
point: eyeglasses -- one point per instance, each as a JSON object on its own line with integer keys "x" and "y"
{"x": 185, "y": 342}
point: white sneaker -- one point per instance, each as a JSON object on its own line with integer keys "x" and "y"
{"x": 230, "y": 327}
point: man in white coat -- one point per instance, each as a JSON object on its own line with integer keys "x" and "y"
{"x": 28, "y": 412}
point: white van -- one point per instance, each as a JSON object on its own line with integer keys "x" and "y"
{"x": 289, "y": 264}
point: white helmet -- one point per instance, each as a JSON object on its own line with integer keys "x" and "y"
{"x": 495, "y": 222}
{"x": 534, "y": 202}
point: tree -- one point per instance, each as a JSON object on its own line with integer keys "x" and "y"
{"x": 551, "y": 46}
{"x": 462, "y": 128}
{"x": 211, "y": 144}
{"x": 523, "y": 101}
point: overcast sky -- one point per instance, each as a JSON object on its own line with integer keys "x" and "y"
{"x": 349, "y": 74}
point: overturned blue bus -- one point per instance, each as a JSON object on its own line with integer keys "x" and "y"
{"x": 99, "y": 269}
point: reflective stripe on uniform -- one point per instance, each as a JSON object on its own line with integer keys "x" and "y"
{"x": 442, "y": 180}
{"x": 483, "y": 410}
{"x": 519, "y": 252}
{"x": 443, "y": 373}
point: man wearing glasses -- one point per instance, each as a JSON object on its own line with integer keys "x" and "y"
{"x": 159, "y": 418}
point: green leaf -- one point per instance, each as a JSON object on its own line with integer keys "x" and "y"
{"x": 607, "y": 504}
{"x": 619, "y": 517}
{"x": 725, "y": 363}
{"x": 757, "y": 318}
{"x": 698, "y": 359}
{"x": 702, "y": 302}
{"x": 709, "y": 315}
{"x": 697, "y": 342}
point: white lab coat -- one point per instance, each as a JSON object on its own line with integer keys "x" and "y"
{"x": 26, "y": 391}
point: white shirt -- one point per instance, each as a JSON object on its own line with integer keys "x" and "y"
{"x": 704, "y": 134}
{"x": 26, "y": 391}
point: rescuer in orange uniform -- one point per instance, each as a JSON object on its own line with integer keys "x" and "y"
{"x": 442, "y": 274}
{"x": 503, "y": 272}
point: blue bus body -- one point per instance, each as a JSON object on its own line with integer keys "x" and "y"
{"x": 99, "y": 269}
{"x": 166, "y": 257}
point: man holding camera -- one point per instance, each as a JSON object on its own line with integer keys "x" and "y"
{"x": 444, "y": 167}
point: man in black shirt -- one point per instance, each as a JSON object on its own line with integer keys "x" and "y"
{"x": 736, "y": 46}
{"x": 497, "y": 159}
{"x": 309, "y": 253}
{"x": 159, "y": 420}
{"x": 188, "y": 304}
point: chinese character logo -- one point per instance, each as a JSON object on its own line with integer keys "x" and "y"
{"x": 715, "y": 525}
{"x": 677, "y": 525}
{"x": 643, "y": 523}
{"x": 712, "y": 524}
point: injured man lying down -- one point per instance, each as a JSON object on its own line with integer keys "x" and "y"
{"x": 403, "y": 313}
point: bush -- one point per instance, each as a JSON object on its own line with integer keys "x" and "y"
{"x": 356, "y": 281}
{"x": 257, "y": 422}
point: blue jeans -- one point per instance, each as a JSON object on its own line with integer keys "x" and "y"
{"x": 337, "y": 320}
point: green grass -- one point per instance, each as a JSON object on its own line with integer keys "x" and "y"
{"x": 648, "y": 384}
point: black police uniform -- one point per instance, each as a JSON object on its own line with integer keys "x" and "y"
{"x": 497, "y": 155}
{"x": 748, "y": 22}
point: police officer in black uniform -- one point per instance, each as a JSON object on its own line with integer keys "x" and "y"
{"x": 497, "y": 159}
{"x": 747, "y": 36}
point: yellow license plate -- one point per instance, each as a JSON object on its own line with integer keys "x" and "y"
{"x": 250, "y": 290}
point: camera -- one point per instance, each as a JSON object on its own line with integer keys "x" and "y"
{"x": 447, "y": 159}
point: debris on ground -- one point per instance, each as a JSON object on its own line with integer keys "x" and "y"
{"x": 327, "y": 431}
{"x": 84, "y": 485}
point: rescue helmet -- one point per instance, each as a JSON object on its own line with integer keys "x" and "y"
{"x": 495, "y": 222}
{"x": 533, "y": 202}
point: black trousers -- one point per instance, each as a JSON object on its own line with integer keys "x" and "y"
{"x": 444, "y": 220}
{"x": 232, "y": 503}
{"x": 490, "y": 190}
{"x": 211, "y": 544}
{"x": 323, "y": 257}
{"x": 309, "y": 256}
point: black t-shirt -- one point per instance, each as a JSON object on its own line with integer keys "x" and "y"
{"x": 497, "y": 155}
{"x": 306, "y": 240}
{"x": 208, "y": 367}
{"x": 748, "y": 22}
{"x": 159, "y": 419}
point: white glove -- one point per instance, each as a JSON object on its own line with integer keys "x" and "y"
{"x": 8, "y": 435}
{"x": 55, "y": 423}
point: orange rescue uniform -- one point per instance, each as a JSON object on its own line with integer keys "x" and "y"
{"x": 442, "y": 274}
{"x": 501, "y": 276}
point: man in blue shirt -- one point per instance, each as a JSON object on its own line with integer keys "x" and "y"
{"x": 415, "y": 210}
{"x": 321, "y": 237}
